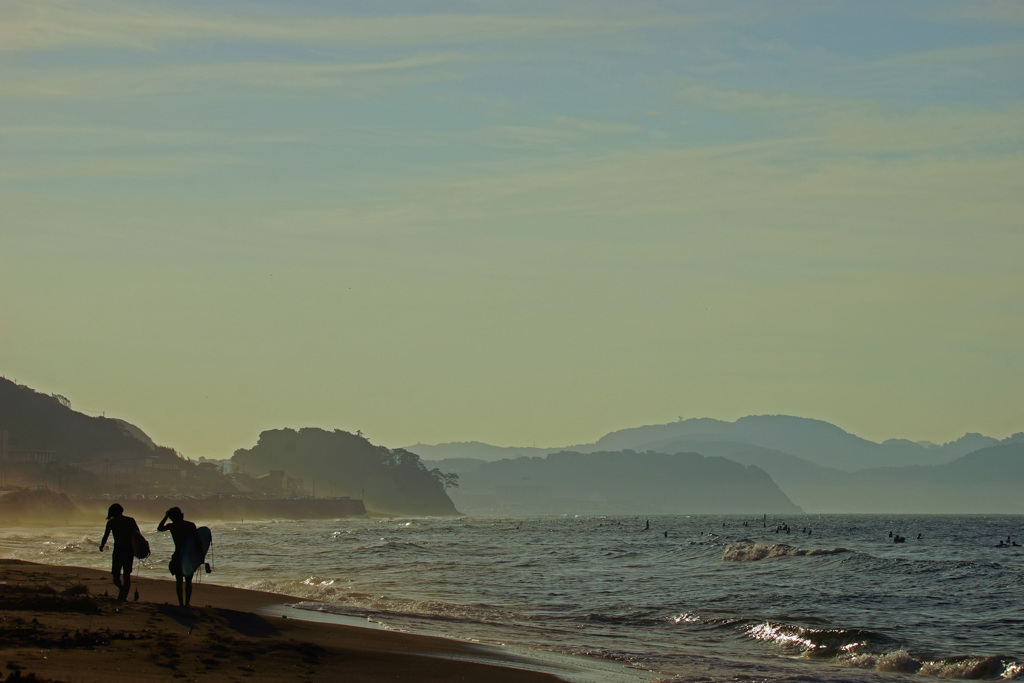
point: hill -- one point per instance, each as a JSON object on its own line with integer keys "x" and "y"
{"x": 814, "y": 441}
{"x": 477, "y": 450}
{"x": 44, "y": 443}
{"x": 820, "y": 467}
{"x": 989, "y": 480}
{"x": 344, "y": 464}
{"x": 623, "y": 482}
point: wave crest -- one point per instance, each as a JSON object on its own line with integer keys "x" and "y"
{"x": 967, "y": 667}
{"x": 750, "y": 551}
{"x": 814, "y": 642}
{"x": 864, "y": 649}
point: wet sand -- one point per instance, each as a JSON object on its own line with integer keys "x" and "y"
{"x": 63, "y": 624}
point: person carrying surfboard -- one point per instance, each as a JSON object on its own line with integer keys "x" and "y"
{"x": 182, "y": 532}
{"x": 123, "y": 528}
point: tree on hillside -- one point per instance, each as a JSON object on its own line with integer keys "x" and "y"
{"x": 448, "y": 480}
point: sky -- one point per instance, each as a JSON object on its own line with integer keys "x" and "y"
{"x": 525, "y": 223}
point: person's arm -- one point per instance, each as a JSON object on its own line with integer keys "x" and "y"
{"x": 106, "y": 535}
{"x": 161, "y": 526}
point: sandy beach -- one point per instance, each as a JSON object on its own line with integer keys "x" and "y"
{"x": 63, "y": 624}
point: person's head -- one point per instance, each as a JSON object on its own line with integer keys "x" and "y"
{"x": 175, "y": 514}
{"x": 115, "y": 510}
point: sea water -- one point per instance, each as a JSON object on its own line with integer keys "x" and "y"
{"x": 691, "y": 598}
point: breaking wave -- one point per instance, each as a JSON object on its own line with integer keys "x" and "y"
{"x": 749, "y": 551}
{"x": 865, "y": 649}
{"x": 816, "y": 642}
{"x": 994, "y": 667}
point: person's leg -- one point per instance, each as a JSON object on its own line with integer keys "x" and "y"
{"x": 177, "y": 589}
{"x": 115, "y": 569}
{"x": 119, "y": 567}
{"x": 188, "y": 591}
{"x": 126, "y": 583}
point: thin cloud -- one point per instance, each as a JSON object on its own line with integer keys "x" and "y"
{"x": 956, "y": 56}
{"x": 1000, "y": 12}
{"x": 731, "y": 100}
{"x": 849, "y": 126}
{"x": 35, "y": 26}
{"x": 348, "y": 77}
{"x": 121, "y": 167}
{"x": 560, "y": 134}
{"x": 733, "y": 188}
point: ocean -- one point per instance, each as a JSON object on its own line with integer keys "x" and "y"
{"x": 691, "y": 598}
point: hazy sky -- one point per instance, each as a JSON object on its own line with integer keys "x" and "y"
{"x": 523, "y": 223}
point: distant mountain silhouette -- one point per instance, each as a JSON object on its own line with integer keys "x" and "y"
{"x": 40, "y": 422}
{"x": 969, "y": 443}
{"x": 819, "y": 466}
{"x": 765, "y": 462}
{"x": 815, "y": 441}
{"x": 989, "y": 480}
{"x": 812, "y": 487}
{"x": 622, "y": 482}
{"x": 344, "y": 464}
{"x": 48, "y": 444}
{"x": 480, "y": 451}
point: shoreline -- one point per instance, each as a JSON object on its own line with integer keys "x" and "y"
{"x": 61, "y": 623}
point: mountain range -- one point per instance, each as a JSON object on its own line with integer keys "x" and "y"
{"x": 769, "y": 463}
{"x": 44, "y": 444}
{"x": 619, "y": 482}
{"x": 819, "y": 466}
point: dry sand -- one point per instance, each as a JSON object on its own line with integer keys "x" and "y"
{"x": 63, "y": 624}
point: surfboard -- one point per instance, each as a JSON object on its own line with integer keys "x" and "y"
{"x": 194, "y": 553}
{"x": 140, "y": 546}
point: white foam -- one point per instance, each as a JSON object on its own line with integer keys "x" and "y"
{"x": 750, "y": 551}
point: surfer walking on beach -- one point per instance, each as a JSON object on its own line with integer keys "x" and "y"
{"x": 181, "y": 531}
{"x": 122, "y": 528}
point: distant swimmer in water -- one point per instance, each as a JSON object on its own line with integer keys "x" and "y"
{"x": 648, "y": 525}
{"x": 919, "y": 537}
